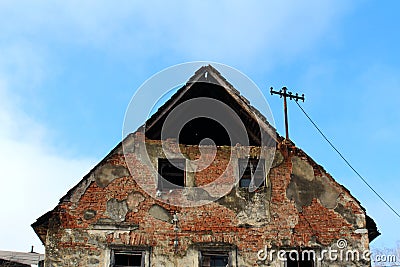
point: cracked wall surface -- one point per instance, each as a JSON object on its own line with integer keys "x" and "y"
{"x": 300, "y": 206}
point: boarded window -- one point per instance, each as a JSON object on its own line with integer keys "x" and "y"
{"x": 127, "y": 258}
{"x": 171, "y": 173}
{"x": 215, "y": 259}
{"x": 253, "y": 172}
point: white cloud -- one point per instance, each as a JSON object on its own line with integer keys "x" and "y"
{"x": 201, "y": 30}
{"x": 33, "y": 175}
{"x": 243, "y": 30}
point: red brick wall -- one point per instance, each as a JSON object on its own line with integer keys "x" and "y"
{"x": 214, "y": 222}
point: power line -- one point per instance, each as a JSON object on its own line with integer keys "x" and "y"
{"x": 348, "y": 163}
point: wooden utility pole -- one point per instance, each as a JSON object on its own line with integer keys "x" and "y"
{"x": 284, "y": 93}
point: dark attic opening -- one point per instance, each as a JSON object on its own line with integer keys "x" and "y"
{"x": 202, "y": 130}
{"x": 185, "y": 118}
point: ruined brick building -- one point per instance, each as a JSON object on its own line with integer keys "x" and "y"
{"x": 148, "y": 203}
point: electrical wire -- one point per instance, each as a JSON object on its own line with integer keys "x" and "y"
{"x": 348, "y": 163}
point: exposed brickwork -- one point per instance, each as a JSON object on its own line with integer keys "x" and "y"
{"x": 118, "y": 205}
{"x": 73, "y": 235}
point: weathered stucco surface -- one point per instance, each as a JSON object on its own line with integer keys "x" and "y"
{"x": 300, "y": 206}
{"x": 117, "y": 206}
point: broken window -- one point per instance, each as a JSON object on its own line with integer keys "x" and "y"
{"x": 215, "y": 259}
{"x": 297, "y": 259}
{"x": 127, "y": 258}
{"x": 171, "y": 173}
{"x": 253, "y": 173}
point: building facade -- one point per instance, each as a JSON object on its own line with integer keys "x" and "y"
{"x": 156, "y": 201}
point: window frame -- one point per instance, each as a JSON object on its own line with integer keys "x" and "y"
{"x": 164, "y": 184}
{"x": 216, "y": 252}
{"x": 251, "y": 163}
{"x": 297, "y": 261}
{"x": 134, "y": 251}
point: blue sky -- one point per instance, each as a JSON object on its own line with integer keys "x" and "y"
{"x": 69, "y": 69}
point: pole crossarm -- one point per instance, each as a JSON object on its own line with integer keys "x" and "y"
{"x": 285, "y": 93}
